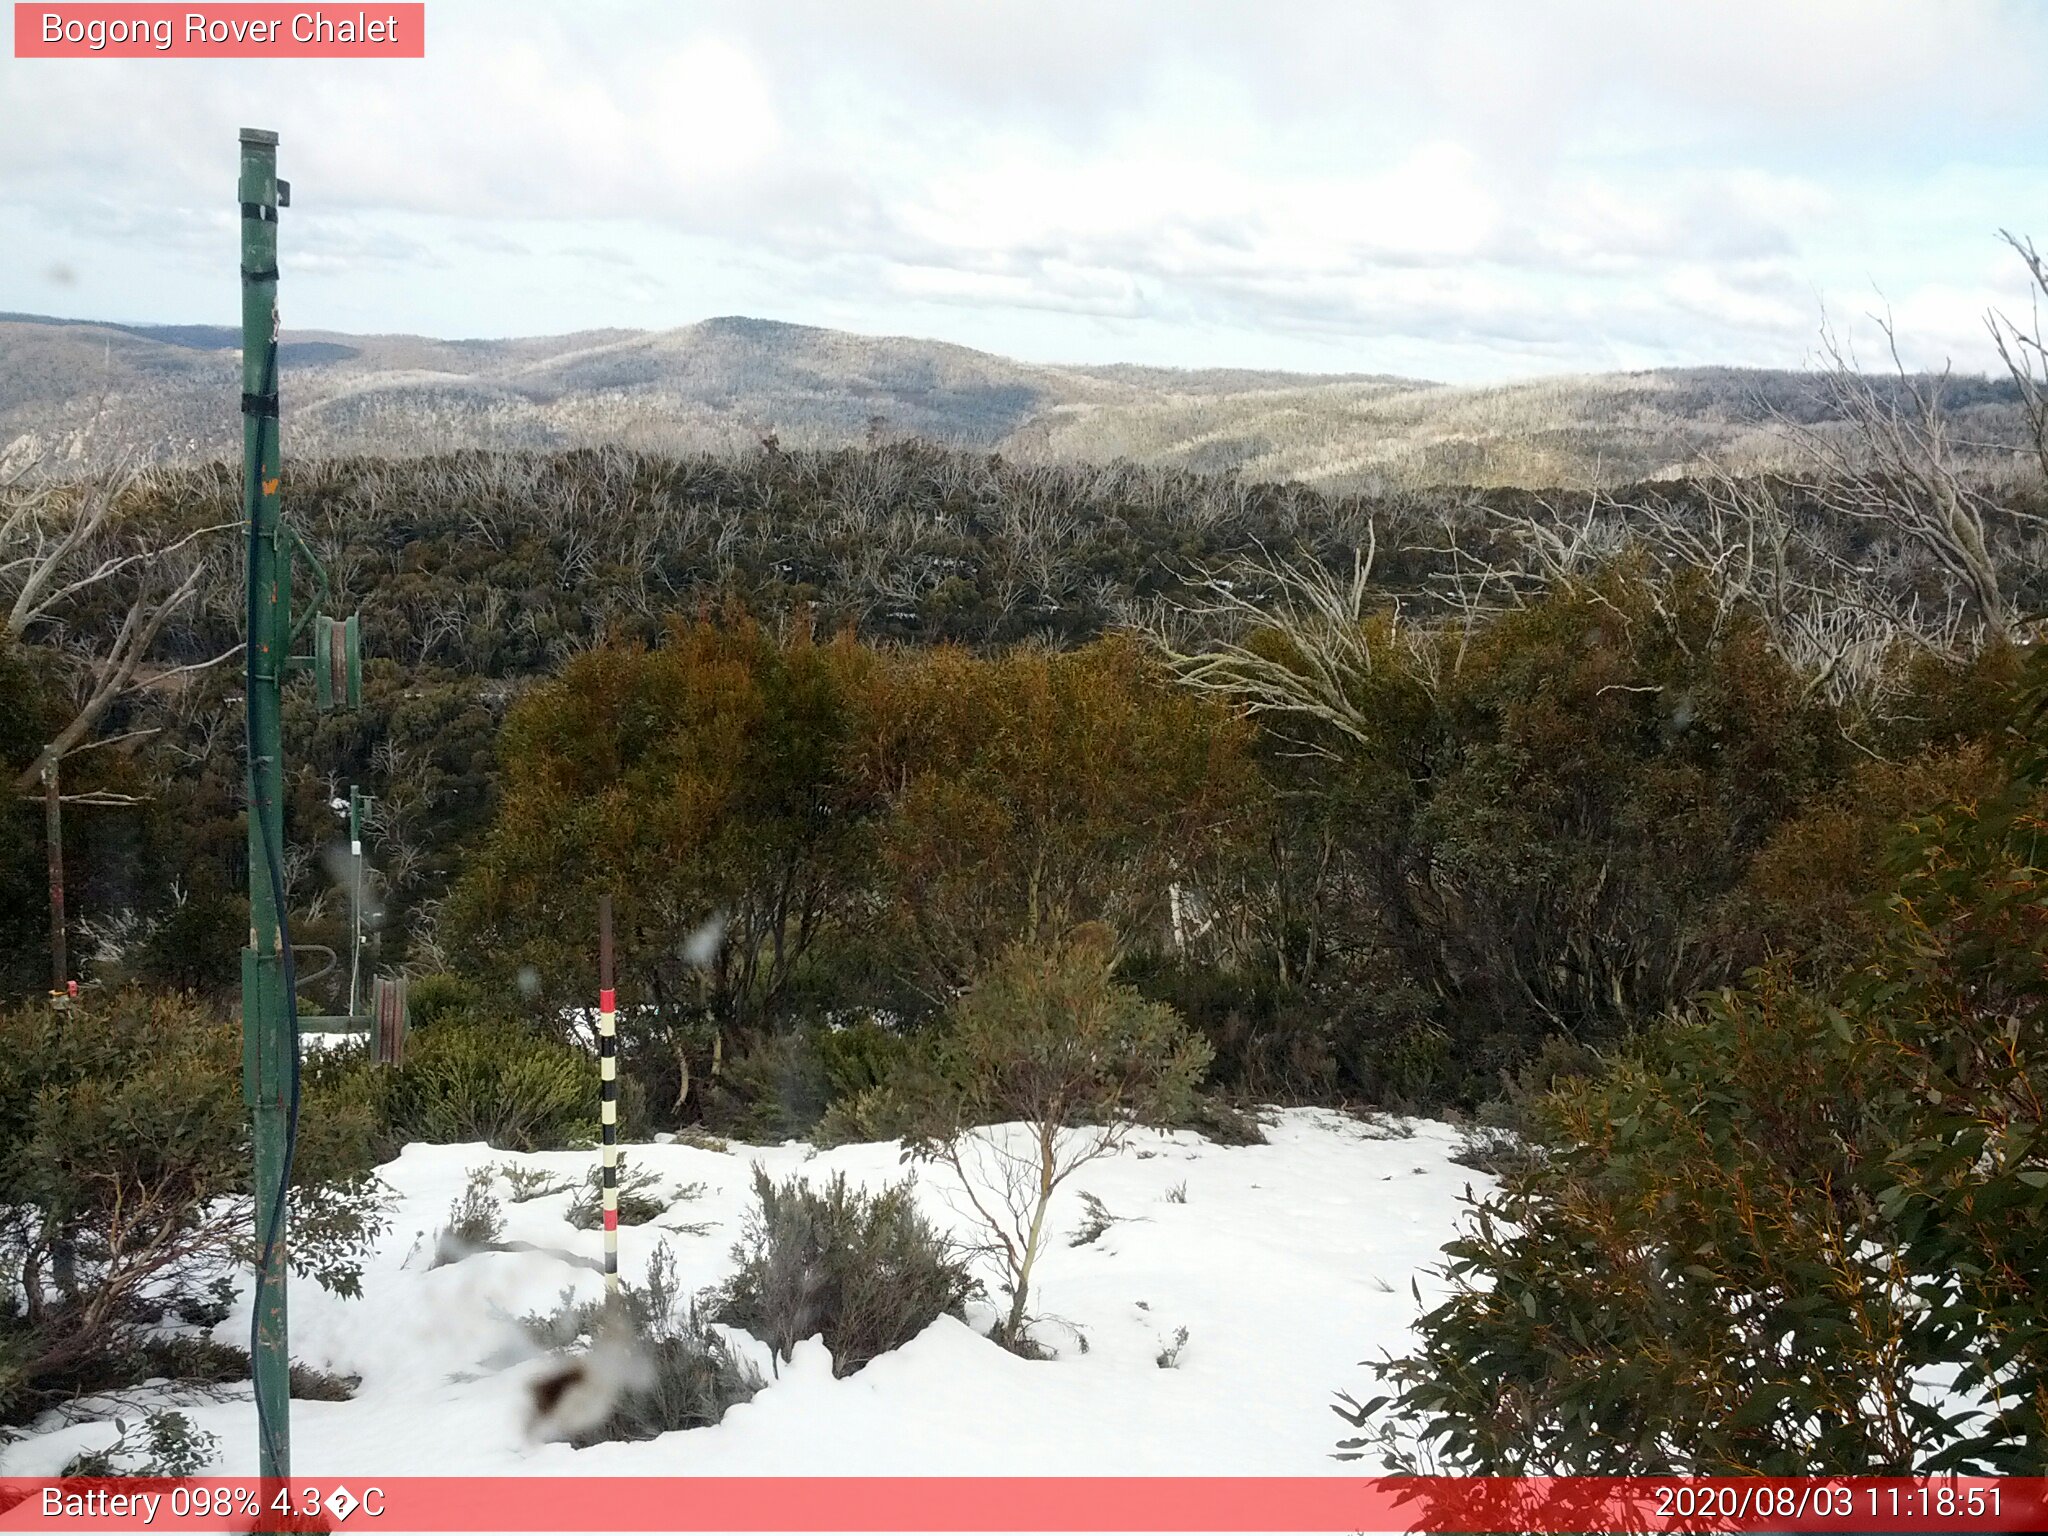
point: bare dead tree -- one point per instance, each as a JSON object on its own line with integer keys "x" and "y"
{"x": 61, "y": 546}
{"x": 2024, "y": 350}
{"x": 1900, "y": 467}
{"x": 1322, "y": 619}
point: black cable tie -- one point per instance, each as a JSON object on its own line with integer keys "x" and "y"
{"x": 267, "y": 275}
{"x": 261, "y": 211}
{"x": 258, "y": 405}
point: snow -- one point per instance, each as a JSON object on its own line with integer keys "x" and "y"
{"x": 1288, "y": 1264}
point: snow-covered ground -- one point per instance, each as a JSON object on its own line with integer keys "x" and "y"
{"x": 1287, "y": 1264}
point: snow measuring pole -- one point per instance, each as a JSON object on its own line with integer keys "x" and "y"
{"x": 608, "y": 1095}
{"x": 270, "y": 1012}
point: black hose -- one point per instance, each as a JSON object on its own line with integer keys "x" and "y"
{"x": 274, "y": 865}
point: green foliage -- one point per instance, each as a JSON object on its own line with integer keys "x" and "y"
{"x": 813, "y": 829}
{"x": 430, "y": 997}
{"x": 124, "y": 1181}
{"x": 860, "y": 1056}
{"x": 1047, "y": 1038}
{"x": 1031, "y": 792}
{"x": 532, "y": 1183}
{"x": 882, "y": 1113}
{"x": 867, "y": 1271}
{"x": 1521, "y": 828}
{"x": 475, "y": 1220}
{"x": 706, "y": 777}
{"x": 1807, "y": 894}
{"x": 806, "y": 1083}
{"x": 775, "y": 1089}
{"x": 655, "y": 1349}
{"x": 1748, "y": 1245}
{"x": 466, "y": 1079}
{"x": 642, "y": 1198}
{"x": 164, "y": 1444}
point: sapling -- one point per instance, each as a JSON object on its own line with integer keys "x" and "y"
{"x": 1047, "y": 1064}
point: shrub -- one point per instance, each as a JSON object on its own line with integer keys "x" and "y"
{"x": 467, "y": 1080}
{"x": 1763, "y": 1235}
{"x": 1047, "y": 1038}
{"x": 880, "y": 1114}
{"x": 859, "y": 1057}
{"x": 772, "y": 1091}
{"x": 201, "y": 1360}
{"x": 868, "y": 1272}
{"x": 125, "y": 1181}
{"x": 434, "y": 996}
{"x": 652, "y": 1365}
{"x": 1498, "y": 833}
{"x": 1032, "y": 790}
{"x": 641, "y": 1198}
{"x": 475, "y": 1220}
{"x": 1096, "y": 1219}
{"x": 533, "y": 1183}
{"x": 163, "y": 1445}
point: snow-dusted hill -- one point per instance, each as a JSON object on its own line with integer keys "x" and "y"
{"x": 1287, "y": 1264}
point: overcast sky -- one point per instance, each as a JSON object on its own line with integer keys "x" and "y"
{"x": 1458, "y": 191}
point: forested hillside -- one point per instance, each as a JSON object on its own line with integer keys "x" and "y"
{"x": 725, "y": 385}
{"x": 900, "y": 761}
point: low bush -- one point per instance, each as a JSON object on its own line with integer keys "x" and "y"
{"x": 773, "y": 1091}
{"x": 1047, "y": 1037}
{"x": 650, "y": 1364}
{"x": 466, "y": 1079}
{"x": 868, "y": 1272}
{"x": 440, "y": 995}
{"x": 641, "y": 1198}
{"x": 125, "y": 1187}
{"x": 476, "y": 1221}
{"x": 191, "y": 1359}
{"x": 883, "y": 1113}
{"x": 861, "y": 1056}
{"x": 163, "y": 1445}
{"x": 533, "y": 1183}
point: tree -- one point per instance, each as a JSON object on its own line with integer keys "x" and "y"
{"x": 64, "y": 560}
{"x": 1510, "y": 825}
{"x": 67, "y": 569}
{"x": 1046, "y": 1065}
{"x": 1801, "y": 1227}
{"x": 1033, "y": 791}
{"x": 702, "y": 783}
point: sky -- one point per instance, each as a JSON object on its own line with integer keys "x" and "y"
{"x": 1460, "y": 191}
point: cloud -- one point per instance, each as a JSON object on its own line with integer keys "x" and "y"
{"x": 1328, "y": 183}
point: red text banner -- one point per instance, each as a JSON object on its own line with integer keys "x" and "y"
{"x": 98, "y": 31}
{"x": 1012, "y": 1504}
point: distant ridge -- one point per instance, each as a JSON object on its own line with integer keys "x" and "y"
{"x": 726, "y": 383}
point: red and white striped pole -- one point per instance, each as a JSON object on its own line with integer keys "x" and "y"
{"x": 608, "y": 1092}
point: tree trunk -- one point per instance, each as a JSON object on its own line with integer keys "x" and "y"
{"x": 1014, "y": 1329}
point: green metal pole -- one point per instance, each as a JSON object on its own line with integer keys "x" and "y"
{"x": 269, "y": 1040}
{"x": 358, "y": 812}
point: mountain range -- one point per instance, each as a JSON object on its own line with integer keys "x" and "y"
{"x": 85, "y": 389}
